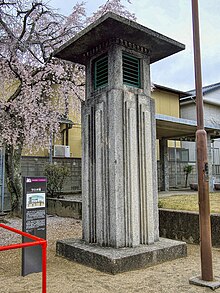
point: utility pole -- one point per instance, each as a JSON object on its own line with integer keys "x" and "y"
{"x": 202, "y": 158}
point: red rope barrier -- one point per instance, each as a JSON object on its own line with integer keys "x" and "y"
{"x": 36, "y": 241}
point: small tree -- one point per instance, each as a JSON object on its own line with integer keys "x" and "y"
{"x": 187, "y": 170}
{"x": 56, "y": 176}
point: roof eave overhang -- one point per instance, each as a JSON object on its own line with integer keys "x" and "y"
{"x": 112, "y": 26}
{"x": 174, "y": 128}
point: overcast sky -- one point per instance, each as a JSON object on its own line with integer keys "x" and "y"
{"x": 173, "y": 19}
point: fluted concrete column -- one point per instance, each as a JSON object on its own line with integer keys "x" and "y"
{"x": 119, "y": 170}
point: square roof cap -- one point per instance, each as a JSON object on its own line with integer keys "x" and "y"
{"x": 110, "y": 26}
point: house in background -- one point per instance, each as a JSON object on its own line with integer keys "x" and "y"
{"x": 167, "y": 108}
{"x": 175, "y": 130}
{"x": 211, "y": 99}
{"x": 176, "y": 134}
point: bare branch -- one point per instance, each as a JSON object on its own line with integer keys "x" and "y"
{"x": 27, "y": 14}
{"x": 7, "y": 3}
{"x": 7, "y": 29}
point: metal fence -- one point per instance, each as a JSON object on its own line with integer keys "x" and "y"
{"x": 216, "y": 170}
{"x": 177, "y": 177}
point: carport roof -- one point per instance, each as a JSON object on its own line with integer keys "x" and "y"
{"x": 181, "y": 129}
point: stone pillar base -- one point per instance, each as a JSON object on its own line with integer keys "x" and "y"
{"x": 215, "y": 284}
{"x": 114, "y": 261}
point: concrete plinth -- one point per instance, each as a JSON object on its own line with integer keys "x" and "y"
{"x": 114, "y": 261}
{"x": 215, "y": 284}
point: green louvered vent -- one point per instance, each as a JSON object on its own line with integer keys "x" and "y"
{"x": 101, "y": 72}
{"x": 131, "y": 70}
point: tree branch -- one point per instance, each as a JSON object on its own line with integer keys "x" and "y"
{"x": 7, "y": 29}
{"x": 7, "y": 3}
{"x": 28, "y": 13}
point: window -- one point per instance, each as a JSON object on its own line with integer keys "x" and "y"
{"x": 178, "y": 154}
{"x": 101, "y": 72}
{"x": 131, "y": 70}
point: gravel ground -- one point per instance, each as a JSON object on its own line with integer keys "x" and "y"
{"x": 69, "y": 277}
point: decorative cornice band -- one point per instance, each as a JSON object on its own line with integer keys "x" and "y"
{"x": 102, "y": 46}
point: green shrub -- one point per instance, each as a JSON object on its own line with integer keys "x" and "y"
{"x": 56, "y": 175}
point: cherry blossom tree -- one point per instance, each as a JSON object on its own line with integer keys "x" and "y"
{"x": 35, "y": 88}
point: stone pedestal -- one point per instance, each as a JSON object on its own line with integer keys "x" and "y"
{"x": 119, "y": 176}
{"x": 119, "y": 260}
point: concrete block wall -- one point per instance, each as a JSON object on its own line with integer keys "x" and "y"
{"x": 183, "y": 225}
{"x": 177, "y": 225}
{"x": 34, "y": 166}
{"x": 64, "y": 208}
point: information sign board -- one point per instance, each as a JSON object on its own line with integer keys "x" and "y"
{"x": 34, "y": 221}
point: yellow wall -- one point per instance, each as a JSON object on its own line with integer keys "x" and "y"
{"x": 9, "y": 88}
{"x": 75, "y": 141}
{"x": 43, "y": 152}
{"x": 74, "y": 132}
{"x": 166, "y": 103}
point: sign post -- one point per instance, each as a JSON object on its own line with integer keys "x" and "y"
{"x": 34, "y": 221}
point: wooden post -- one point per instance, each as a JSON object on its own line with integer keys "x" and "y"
{"x": 202, "y": 161}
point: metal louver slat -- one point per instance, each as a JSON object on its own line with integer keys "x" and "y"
{"x": 131, "y": 70}
{"x": 101, "y": 72}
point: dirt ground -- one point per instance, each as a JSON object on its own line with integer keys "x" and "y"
{"x": 68, "y": 277}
